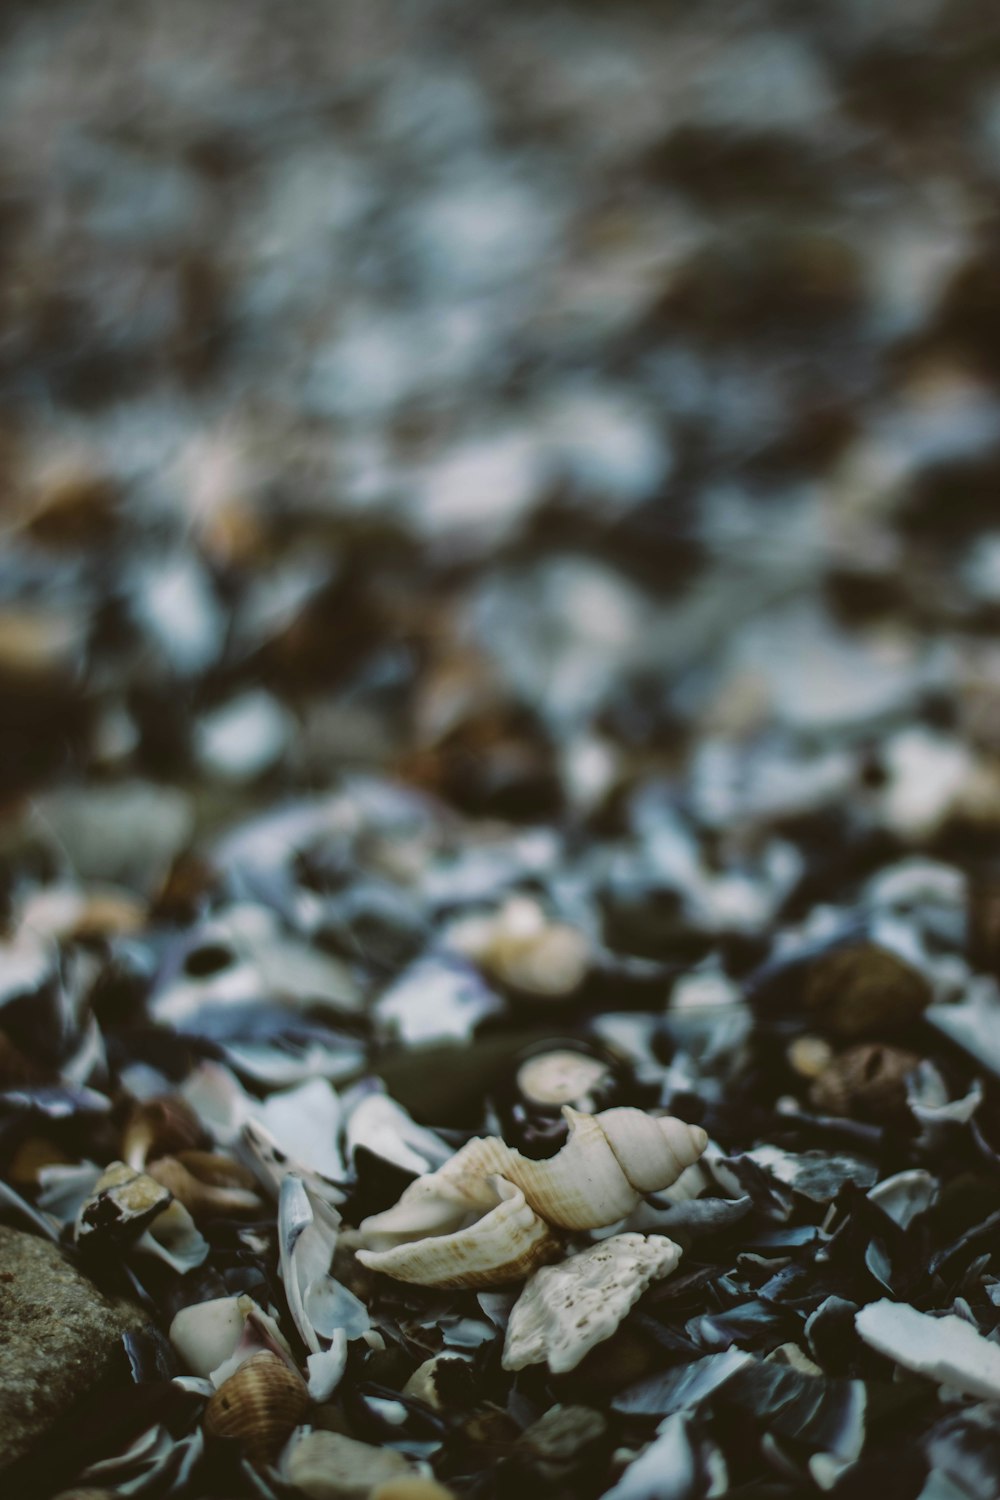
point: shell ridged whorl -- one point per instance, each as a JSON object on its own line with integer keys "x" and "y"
{"x": 505, "y": 1245}
{"x": 609, "y": 1161}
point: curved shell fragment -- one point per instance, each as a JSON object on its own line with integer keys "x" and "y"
{"x": 565, "y": 1310}
{"x": 506, "y": 1244}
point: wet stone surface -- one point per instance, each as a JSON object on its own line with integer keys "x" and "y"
{"x": 59, "y": 1336}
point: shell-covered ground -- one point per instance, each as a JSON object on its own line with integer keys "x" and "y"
{"x": 498, "y": 610}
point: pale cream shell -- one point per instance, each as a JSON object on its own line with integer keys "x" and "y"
{"x": 609, "y": 1161}
{"x": 564, "y": 1311}
{"x": 506, "y": 1244}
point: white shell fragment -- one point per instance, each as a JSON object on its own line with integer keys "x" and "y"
{"x": 133, "y": 1207}
{"x": 383, "y": 1127}
{"x": 325, "y": 1313}
{"x": 207, "y": 1333}
{"x": 609, "y": 1161}
{"x": 565, "y": 1310}
{"x": 905, "y": 1195}
{"x": 506, "y": 1244}
{"x": 947, "y": 1350}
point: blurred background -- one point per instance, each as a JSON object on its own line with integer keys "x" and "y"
{"x": 519, "y": 400}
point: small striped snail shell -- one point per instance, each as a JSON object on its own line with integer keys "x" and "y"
{"x": 608, "y": 1163}
{"x": 260, "y": 1405}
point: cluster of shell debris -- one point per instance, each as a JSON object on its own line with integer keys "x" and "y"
{"x": 403, "y": 1226}
{"x": 500, "y": 743}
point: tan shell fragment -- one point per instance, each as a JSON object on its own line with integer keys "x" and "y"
{"x": 260, "y": 1405}
{"x": 565, "y": 1310}
{"x": 204, "y": 1200}
{"x": 506, "y": 1244}
{"x": 158, "y": 1126}
{"x": 609, "y": 1161}
{"x": 330, "y": 1466}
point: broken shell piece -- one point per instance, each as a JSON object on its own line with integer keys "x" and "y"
{"x": 260, "y": 1405}
{"x": 523, "y": 947}
{"x": 173, "y": 1238}
{"x": 134, "y": 1208}
{"x": 330, "y": 1466}
{"x": 506, "y": 1244}
{"x": 565, "y": 1310}
{"x": 562, "y": 1077}
{"x": 946, "y": 1349}
{"x": 203, "y": 1200}
{"x": 260, "y": 1333}
{"x": 160, "y": 1127}
{"x": 559, "y": 1441}
{"x": 123, "y": 1203}
{"x": 206, "y": 1333}
{"x": 217, "y": 1170}
{"x": 425, "y": 1382}
{"x": 609, "y": 1161}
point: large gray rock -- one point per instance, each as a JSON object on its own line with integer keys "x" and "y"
{"x": 58, "y": 1334}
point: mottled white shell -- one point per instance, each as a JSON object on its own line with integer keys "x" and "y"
{"x": 506, "y": 1244}
{"x": 609, "y": 1161}
{"x": 565, "y": 1310}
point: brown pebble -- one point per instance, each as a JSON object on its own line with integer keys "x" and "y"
{"x": 863, "y": 991}
{"x": 867, "y": 1082}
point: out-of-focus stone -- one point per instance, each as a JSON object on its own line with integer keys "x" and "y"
{"x": 58, "y": 1334}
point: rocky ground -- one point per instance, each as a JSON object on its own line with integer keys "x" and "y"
{"x": 498, "y": 611}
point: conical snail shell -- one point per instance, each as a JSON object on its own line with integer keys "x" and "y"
{"x": 609, "y": 1161}
{"x": 260, "y": 1406}
{"x": 506, "y": 1244}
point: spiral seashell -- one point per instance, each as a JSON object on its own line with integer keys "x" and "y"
{"x": 506, "y": 1244}
{"x": 260, "y": 1405}
{"x": 609, "y": 1161}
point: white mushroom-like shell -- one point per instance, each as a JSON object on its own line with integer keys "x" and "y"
{"x": 565, "y": 1310}
{"x": 206, "y": 1333}
{"x": 506, "y": 1244}
{"x": 609, "y": 1161}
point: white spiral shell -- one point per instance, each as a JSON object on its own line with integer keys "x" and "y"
{"x": 506, "y": 1244}
{"x": 609, "y": 1161}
